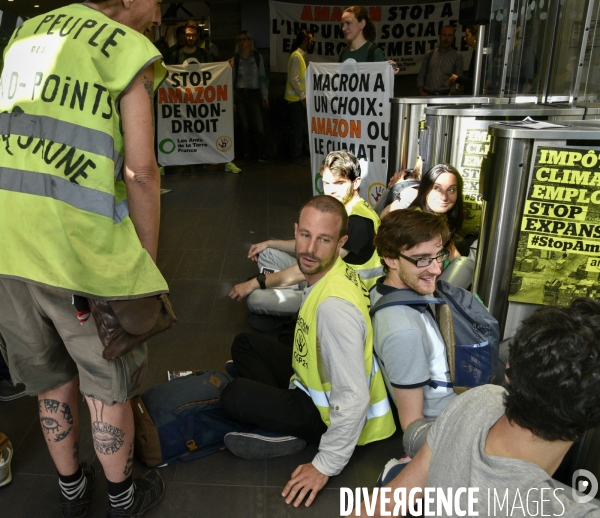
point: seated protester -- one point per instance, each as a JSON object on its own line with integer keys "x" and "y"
{"x": 407, "y": 340}
{"x": 336, "y": 395}
{"x": 190, "y": 49}
{"x": 402, "y": 188}
{"x": 341, "y": 179}
{"x": 441, "y": 192}
{"x": 511, "y": 440}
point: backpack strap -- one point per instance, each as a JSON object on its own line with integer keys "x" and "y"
{"x": 446, "y": 327}
{"x": 371, "y": 53}
{"x": 236, "y": 66}
{"x": 256, "y": 58}
{"x": 404, "y": 298}
{"x": 443, "y": 319}
{"x": 341, "y": 58}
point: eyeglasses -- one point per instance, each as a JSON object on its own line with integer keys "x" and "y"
{"x": 424, "y": 262}
{"x": 243, "y": 39}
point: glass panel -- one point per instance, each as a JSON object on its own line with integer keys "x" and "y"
{"x": 566, "y": 53}
{"x": 495, "y": 39}
{"x": 530, "y": 47}
{"x": 589, "y": 89}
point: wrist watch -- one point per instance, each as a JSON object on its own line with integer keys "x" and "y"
{"x": 261, "y": 278}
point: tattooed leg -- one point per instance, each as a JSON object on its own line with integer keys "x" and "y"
{"x": 129, "y": 463}
{"x": 112, "y": 432}
{"x": 60, "y": 425}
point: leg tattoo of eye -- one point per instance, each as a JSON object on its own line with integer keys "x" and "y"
{"x": 129, "y": 463}
{"x": 108, "y": 439}
{"x": 57, "y": 427}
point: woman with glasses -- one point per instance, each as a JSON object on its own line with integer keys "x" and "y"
{"x": 250, "y": 86}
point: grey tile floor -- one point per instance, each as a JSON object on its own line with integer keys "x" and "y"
{"x": 208, "y": 223}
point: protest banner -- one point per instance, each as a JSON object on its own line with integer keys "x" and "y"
{"x": 471, "y": 146}
{"x": 404, "y": 32}
{"x": 348, "y": 106}
{"x": 195, "y": 114}
{"x": 558, "y": 255}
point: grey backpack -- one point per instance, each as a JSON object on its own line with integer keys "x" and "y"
{"x": 470, "y": 332}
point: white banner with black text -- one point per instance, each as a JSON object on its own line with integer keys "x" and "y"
{"x": 195, "y": 114}
{"x": 404, "y": 32}
{"x": 348, "y": 107}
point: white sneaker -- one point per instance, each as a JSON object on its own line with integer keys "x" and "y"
{"x": 5, "y": 458}
{"x": 391, "y": 470}
{"x": 230, "y": 167}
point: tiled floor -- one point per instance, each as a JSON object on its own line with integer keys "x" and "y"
{"x": 208, "y": 223}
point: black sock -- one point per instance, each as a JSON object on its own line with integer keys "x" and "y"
{"x": 72, "y": 486}
{"x": 120, "y": 494}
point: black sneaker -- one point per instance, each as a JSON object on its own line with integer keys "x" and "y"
{"x": 262, "y": 444}
{"x": 266, "y": 159}
{"x": 231, "y": 369}
{"x": 149, "y": 490}
{"x": 78, "y": 508}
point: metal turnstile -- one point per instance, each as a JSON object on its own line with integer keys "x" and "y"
{"x": 540, "y": 238}
{"x": 408, "y": 114}
{"x": 458, "y": 135}
{"x": 447, "y": 127}
{"x": 592, "y": 110}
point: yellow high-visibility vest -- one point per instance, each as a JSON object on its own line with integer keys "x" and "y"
{"x": 341, "y": 282}
{"x": 64, "y": 216}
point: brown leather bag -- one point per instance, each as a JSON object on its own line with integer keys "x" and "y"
{"x": 123, "y": 324}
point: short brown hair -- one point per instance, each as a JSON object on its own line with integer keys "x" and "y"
{"x": 324, "y": 203}
{"x": 400, "y": 230}
{"x": 191, "y": 24}
{"x": 342, "y": 164}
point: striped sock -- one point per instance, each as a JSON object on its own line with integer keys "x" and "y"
{"x": 73, "y": 486}
{"x": 120, "y": 494}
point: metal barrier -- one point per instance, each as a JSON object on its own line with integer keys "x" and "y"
{"x": 407, "y": 118}
{"x": 541, "y": 192}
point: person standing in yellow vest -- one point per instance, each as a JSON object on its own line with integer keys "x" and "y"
{"x": 79, "y": 218}
{"x": 327, "y": 388}
{"x": 280, "y": 292}
{"x": 295, "y": 89}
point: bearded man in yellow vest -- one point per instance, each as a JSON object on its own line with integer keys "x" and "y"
{"x": 326, "y": 388}
{"x": 79, "y": 218}
{"x": 295, "y": 89}
{"x": 280, "y": 290}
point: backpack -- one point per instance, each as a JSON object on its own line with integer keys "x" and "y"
{"x": 182, "y": 419}
{"x": 370, "y": 53}
{"x": 470, "y": 332}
